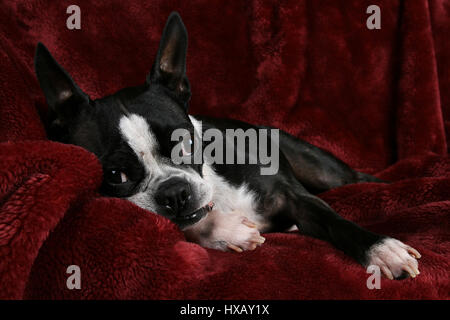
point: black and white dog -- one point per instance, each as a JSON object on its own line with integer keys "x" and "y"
{"x": 220, "y": 206}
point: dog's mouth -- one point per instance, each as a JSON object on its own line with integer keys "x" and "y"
{"x": 194, "y": 217}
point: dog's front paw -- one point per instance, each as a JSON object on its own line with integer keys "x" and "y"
{"x": 245, "y": 237}
{"x": 395, "y": 259}
{"x": 225, "y": 231}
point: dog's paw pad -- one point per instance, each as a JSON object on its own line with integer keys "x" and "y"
{"x": 395, "y": 259}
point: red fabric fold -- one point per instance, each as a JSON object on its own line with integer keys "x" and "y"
{"x": 420, "y": 123}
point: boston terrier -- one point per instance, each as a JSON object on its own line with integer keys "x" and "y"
{"x": 217, "y": 205}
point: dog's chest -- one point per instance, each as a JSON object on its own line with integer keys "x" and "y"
{"x": 228, "y": 198}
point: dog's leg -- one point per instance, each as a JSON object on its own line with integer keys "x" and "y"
{"x": 317, "y": 219}
{"x": 317, "y": 169}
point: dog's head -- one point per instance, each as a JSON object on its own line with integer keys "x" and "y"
{"x": 130, "y": 131}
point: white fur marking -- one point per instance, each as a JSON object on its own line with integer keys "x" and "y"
{"x": 196, "y": 124}
{"x": 228, "y": 198}
{"x": 136, "y": 131}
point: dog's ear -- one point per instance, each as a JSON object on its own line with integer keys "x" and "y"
{"x": 63, "y": 95}
{"x": 169, "y": 68}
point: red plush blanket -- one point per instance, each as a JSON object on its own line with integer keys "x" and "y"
{"x": 378, "y": 99}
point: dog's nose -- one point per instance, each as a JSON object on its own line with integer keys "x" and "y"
{"x": 174, "y": 194}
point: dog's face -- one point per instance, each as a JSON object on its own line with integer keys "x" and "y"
{"x": 130, "y": 131}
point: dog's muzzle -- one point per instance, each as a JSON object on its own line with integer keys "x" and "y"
{"x": 194, "y": 217}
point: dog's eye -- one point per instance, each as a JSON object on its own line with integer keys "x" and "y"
{"x": 186, "y": 146}
{"x": 116, "y": 177}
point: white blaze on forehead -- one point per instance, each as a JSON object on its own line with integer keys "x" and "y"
{"x": 197, "y": 125}
{"x": 137, "y": 133}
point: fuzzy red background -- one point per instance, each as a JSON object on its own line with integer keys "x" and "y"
{"x": 378, "y": 99}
